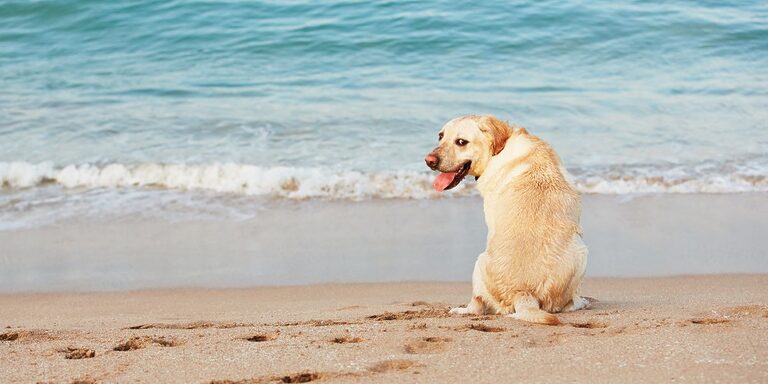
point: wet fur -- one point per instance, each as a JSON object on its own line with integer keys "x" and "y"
{"x": 535, "y": 258}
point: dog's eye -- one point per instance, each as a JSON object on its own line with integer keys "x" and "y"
{"x": 439, "y": 136}
{"x": 461, "y": 142}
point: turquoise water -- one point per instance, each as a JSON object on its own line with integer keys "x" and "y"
{"x": 341, "y": 99}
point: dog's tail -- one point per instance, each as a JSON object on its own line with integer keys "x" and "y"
{"x": 527, "y": 309}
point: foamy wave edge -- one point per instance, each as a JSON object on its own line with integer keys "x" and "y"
{"x": 308, "y": 183}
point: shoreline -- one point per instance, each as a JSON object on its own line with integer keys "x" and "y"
{"x": 687, "y": 329}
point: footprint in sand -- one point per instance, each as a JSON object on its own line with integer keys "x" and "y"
{"x": 140, "y": 342}
{"x": 410, "y": 315}
{"x": 417, "y": 326}
{"x": 262, "y": 337}
{"x": 310, "y": 376}
{"x": 304, "y": 377}
{"x": 729, "y": 314}
{"x": 313, "y": 323}
{"x": 479, "y": 327}
{"x": 708, "y": 321}
{"x": 73, "y": 353}
{"x": 428, "y": 345}
{"x": 589, "y": 325}
{"x": 347, "y": 340}
{"x": 193, "y": 325}
{"x": 34, "y": 335}
{"x": 394, "y": 365}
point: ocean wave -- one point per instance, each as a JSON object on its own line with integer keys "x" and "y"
{"x": 311, "y": 183}
{"x": 280, "y": 182}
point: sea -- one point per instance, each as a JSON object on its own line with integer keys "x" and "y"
{"x": 193, "y": 109}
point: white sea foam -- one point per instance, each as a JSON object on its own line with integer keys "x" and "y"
{"x": 280, "y": 182}
{"x": 311, "y": 183}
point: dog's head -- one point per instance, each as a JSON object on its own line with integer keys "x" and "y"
{"x": 466, "y": 144}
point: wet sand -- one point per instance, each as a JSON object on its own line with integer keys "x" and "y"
{"x": 374, "y": 241}
{"x": 681, "y": 329}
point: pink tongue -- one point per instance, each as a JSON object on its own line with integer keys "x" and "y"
{"x": 443, "y": 180}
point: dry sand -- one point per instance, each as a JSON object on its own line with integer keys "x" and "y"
{"x": 676, "y": 329}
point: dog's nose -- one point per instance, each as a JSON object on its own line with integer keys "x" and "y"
{"x": 431, "y": 161}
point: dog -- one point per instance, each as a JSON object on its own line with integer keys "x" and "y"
{"x": 535, "y": 258}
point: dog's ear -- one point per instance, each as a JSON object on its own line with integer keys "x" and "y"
{"x": 499, "y": 131}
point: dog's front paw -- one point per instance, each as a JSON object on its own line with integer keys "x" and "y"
{"x": 459, "y": 311}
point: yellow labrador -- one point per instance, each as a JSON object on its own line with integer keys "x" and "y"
{"x": 535, "y": 258}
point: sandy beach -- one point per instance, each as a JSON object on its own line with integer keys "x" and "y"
{"x": 675, "y": 329}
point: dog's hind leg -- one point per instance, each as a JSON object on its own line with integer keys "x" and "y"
{"x": 578, "y": 253}
{"x": 527, "y": 308}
